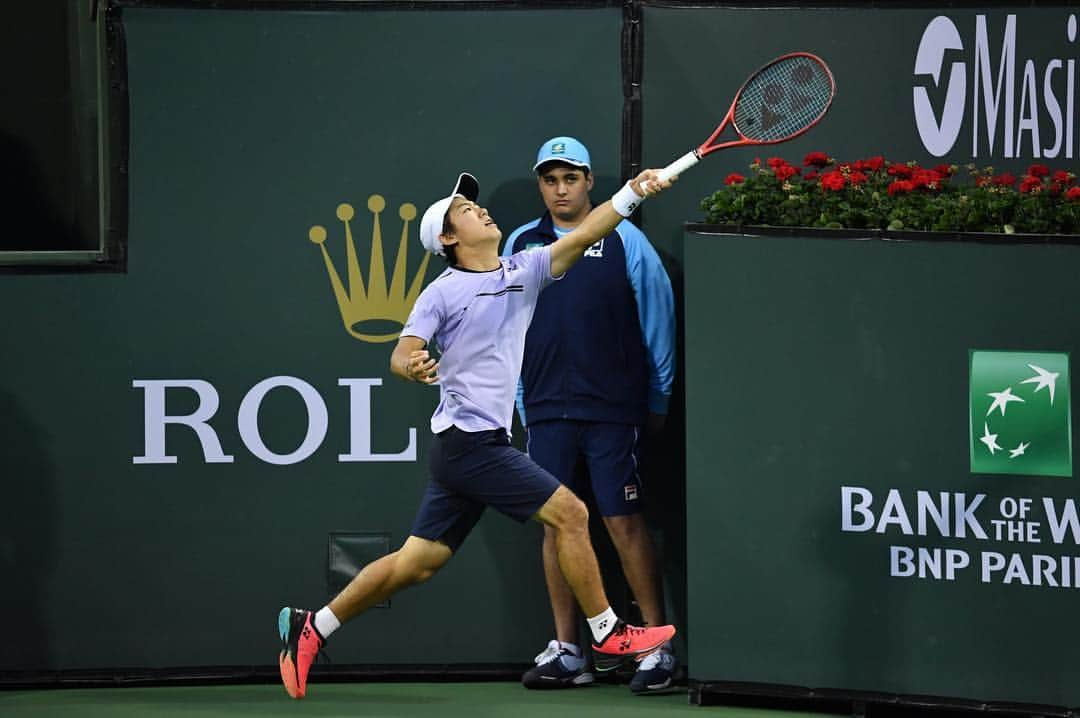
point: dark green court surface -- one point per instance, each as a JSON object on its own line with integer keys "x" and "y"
{"x": 392, "y": 700}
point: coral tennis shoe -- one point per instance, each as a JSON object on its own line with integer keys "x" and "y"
{"x": 300, "y": 644}
{"x": 626, "y": 641}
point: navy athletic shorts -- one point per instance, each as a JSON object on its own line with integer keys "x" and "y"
{"x": 471, "y": 470}
{"x": 611, "y": 453}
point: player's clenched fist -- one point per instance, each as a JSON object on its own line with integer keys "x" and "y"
{"x": 648, "y": 183}
{"x": 422, "y": 368}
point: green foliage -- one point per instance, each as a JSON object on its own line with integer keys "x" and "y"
{"x": 877, "y": 194}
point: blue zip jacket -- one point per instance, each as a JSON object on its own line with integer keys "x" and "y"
{"x": 601, "y": 346}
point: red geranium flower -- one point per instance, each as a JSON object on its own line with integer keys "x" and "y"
{"x": 901, "y": 171}
{"x": 874, "y": 163}
{"x": 775, "y": 162}
{"x": 944, "y": 170}
{"x": 786, "y": 172}
{"x": 811, "y": 175}
{"x": 1038, "y": 170}
{"x": 816, "y": 159}
{"x": 857, "y": 177}
{"x": 926, "y": 178}
{"x": 1030, "y": 184}
{"x": 1073, "y": 194}
{"x": 834, "y": 181}
{"x": 901, "y": 186}
{"x": 734, "y": 178}
{"x": 1063, "y": 177}
{"x": 1055, "y": 189}
{"x": 1005, "y": 179}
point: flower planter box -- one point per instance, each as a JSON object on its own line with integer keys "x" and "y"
{"x": 901, "y": 235}
{"x": 814, "y": 364}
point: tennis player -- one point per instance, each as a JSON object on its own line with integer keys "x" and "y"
{"x": 477, "y": 313}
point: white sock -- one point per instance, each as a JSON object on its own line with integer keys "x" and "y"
{"x": 602, "y": 624}
{"x": 326, "y": 622}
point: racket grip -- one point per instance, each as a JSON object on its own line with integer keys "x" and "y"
{"x": 679, "y": 166}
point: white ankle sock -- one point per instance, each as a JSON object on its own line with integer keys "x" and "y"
{"x": 326, "y": 622}
{"x": 572, "y": 647}
{"x": 602, "y": 624}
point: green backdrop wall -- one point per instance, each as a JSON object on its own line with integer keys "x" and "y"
{"x": 819, "y": 364}
{"x": 248, "y": 129}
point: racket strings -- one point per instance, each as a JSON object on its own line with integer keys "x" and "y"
{"x": 783, "y": 99}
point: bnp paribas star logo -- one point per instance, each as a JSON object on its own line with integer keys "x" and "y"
{"x": 1021, "y": 420}
{"x": 372, "y": 311}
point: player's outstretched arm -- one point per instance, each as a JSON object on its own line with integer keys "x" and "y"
{"x": 599, "y": 223}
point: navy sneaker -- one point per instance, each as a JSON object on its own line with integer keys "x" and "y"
{"x": 557, "y": 667}
{"x": 655, "y": 673}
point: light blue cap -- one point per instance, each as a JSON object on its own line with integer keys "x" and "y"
{"x": 563, "y": 149}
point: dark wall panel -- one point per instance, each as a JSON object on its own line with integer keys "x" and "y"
{"x": 695, "y": 59}
{"x": 818, "y": 364}
{"x": 247, "y": 130}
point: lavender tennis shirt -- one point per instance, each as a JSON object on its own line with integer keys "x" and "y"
{"x": 477, "y": 321}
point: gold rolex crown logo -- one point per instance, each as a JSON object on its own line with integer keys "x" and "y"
{"x": 373, "y": 313}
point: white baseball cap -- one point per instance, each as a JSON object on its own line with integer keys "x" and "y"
{"x": 432, "y": 222}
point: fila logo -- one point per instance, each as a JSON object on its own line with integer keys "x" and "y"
{"x": 597, "y": 250}
{"x": 630, "y": 492}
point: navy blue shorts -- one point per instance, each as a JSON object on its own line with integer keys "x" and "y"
{"x": 610, "y": 453}
{"x": 471, "y": 470}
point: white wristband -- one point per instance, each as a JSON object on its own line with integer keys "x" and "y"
{"x": 626, "y": 200}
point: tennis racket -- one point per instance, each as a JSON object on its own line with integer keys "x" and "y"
{"x": 780, "y": 101}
